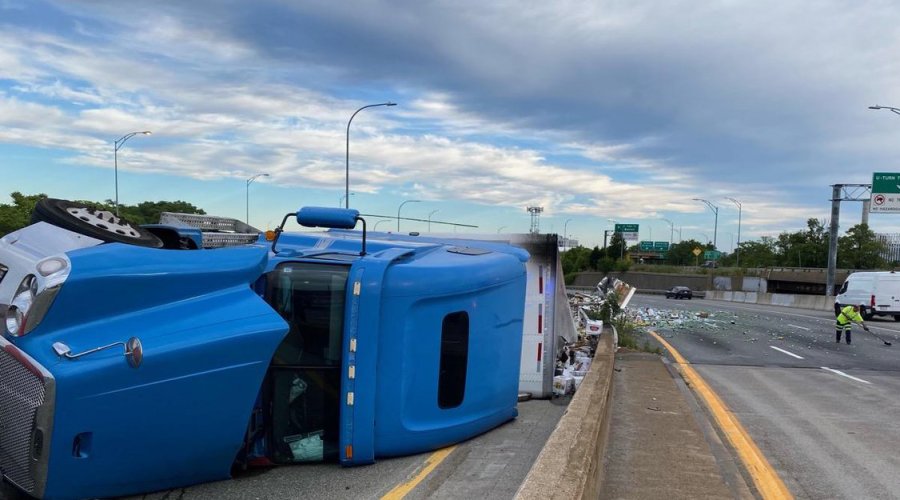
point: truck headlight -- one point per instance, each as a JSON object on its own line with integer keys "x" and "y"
{"x": 35, "y": 295}
{"x": 17, "y": 314}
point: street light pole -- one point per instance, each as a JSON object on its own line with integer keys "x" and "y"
{"x": 738, "y": 248}
{"x": 671, "y": 231}
{"x": 116, "y": 146}
{"x": 715, "y": 210}
{"x": 429, "y": 217}
{"x": 347, "y": 164}
{"x": 250, "y": 181}
{"x": 565, "y": 233}
{"x": 341, "y": 199}
{"x": 398, "y": 211}
{"x": 893, "y": 110}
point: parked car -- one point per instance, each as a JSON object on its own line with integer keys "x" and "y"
{"x": 680, "y": 292}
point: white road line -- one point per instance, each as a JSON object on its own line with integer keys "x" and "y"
{"x": 789, "y": 353}
{"x": 798, "y": 326}
{"x": 851, "y": 377}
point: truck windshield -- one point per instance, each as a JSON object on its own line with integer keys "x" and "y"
{"x": 310, "y": 297}
{"x": 305, "y": 374}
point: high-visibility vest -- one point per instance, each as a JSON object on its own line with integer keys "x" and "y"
{"x": 847, "y": 315}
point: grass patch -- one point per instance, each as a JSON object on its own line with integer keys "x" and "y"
{"x": 630, "y": 337}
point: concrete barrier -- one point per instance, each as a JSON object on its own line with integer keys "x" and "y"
{"x": 571, "y": 463}
{"x": 816, "y": 302}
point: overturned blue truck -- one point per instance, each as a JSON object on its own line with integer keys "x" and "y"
{"x": 136, "y": 359}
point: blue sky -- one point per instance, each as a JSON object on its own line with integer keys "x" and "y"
{"x": 592, "y": 110}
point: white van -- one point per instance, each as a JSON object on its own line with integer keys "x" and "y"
{"x": 878, "y": 292}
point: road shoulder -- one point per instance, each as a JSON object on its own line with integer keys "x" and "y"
{"x": 656, "y": 447}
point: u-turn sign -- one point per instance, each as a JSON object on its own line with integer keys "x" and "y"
{"x": 885, "y": 192}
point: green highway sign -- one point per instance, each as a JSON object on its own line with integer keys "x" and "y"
{"x": 885, "y": 193}
{"x": 629, "y": 232}
{"x": 660, "y": 246}
{"x": 885, "y": 182}
{"x": 646, "y": 246}
{"x": 712, "y": 255}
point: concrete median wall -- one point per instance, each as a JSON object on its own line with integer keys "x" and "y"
{"x": 571, "y": 463}
{"x": 817, "y": 302}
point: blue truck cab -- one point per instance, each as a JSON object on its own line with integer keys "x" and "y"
{"x": 142, "y": 364}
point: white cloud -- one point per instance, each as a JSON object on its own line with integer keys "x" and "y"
{"x": 587, "y": 109}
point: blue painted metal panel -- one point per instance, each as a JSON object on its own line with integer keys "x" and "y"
{"x": 358, "y": 420}
{"x": 343, "y": 218}
{"x": 180, "y": 417}
{"x": 409, "y": 418}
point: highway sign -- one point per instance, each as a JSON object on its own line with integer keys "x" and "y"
{"x": 646, "y": 246}
{"x": 711, "y": 255}
{"x": 885, "y": 193}
{"x": 628, "y": 231}
{"x": 697, "y": 251}
{"x": 660, "y": 246}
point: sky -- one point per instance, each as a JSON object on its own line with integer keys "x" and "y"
{"x": 601, "y": 111}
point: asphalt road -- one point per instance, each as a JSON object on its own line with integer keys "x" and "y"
{"x": 825, "y": 415}
{"x": 492, "y": 465}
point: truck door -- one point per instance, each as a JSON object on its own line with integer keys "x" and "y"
{"x": 889, "y": 293}
{"x": 305, "y": 375}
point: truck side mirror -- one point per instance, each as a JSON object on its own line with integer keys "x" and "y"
{"x": 334, "y": 218}
{"x": 134, "y": 352}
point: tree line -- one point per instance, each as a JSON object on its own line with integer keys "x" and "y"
{"x": 17, "y": 214}
{"x": 858, "y": 248}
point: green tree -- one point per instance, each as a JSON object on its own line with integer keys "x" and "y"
{"x": 859, "y": 249}
{"x": 576, "y": 260}
{"x": 147, "y": 212}
{"x": 596, "y": 254}
{"x": 682, "y": 253}
{"x": 617, "y": 246}
{"x": 17, "y": 215}
{"x": 762, "y": 253}
{"x": 807, "y": 248}
{"x": 606, "y": 265}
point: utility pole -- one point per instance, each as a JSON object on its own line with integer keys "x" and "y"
{"x": 839, "y": 193}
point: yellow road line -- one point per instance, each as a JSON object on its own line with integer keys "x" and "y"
{"x": 401, "y": 490}
{"x": 767, "y": 481}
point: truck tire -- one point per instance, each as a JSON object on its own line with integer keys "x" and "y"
{"x": 99, "y": 224}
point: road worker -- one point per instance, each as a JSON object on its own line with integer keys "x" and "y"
{"x": 848, "y": 315}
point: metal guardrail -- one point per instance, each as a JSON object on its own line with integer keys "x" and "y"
{"x": 216, "y": 232}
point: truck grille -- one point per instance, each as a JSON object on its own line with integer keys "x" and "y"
{"x": 21, "y": 394}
